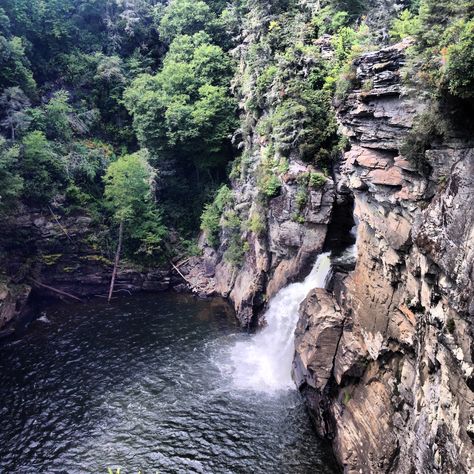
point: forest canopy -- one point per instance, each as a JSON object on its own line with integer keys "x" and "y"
{"x": 87, "y": 84}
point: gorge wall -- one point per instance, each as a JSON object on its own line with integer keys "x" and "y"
{"x": 384, "y": 359}
{"x": 280, "y": 204}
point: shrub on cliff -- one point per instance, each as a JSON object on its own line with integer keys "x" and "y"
{"x": 211, "y": 216}
{"x": 407, "y": 24}
{"x": 460, "y": 65}
{"x": 428, "y": 129}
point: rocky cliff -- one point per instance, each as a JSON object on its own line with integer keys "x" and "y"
{"x": 385, "y": 359}
{"x": 44, "y": 251}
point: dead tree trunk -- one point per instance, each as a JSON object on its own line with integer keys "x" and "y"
{"x": 116, "y": 262}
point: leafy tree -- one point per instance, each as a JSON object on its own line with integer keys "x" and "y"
{"x": 57, "y": 117}
{"x": 185, "y": 17}
{"x": 41, "y": 168}
{"x": 435, "y": 15}
{"x": 11, "y": 184}
{"x": 405, "y": 25}
{"x": 185, "y": 108}
{"x": 128, "y": 186}
{"x": 15, "y": 66}
{"x": 460, "y": 68}
{"x": 128, "y": 193}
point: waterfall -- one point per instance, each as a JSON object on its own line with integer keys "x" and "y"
{"x": 263, "y": 362}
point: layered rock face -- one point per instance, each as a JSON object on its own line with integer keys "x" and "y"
{"x": 276, "y": 256}
{"x": 60, "y": 252}
{"x": 385, "y": 359}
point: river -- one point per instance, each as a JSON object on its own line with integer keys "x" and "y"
{"x": 147, "y": 383}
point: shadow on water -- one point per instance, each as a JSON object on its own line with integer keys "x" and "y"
{"x": 138, "y": 385}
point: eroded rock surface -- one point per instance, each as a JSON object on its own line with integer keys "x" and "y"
{"x": 386, "y": 361}
{"x": 275, "y": 257}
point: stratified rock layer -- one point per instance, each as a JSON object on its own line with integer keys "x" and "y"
{"x": 386, "y": 361}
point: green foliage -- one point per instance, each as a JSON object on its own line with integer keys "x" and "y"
{"x": 460, "y": 67}
{"x": 87, "y": 160}
{"x": 429, "y": 128}
{"x": 191, "y": 247}
{"x": 297, "y": 217}
{"x": 211, "y": 216}
{"x": 301, "y": 198}
{"x": 256, "y": 223}
{"x": 442, "y": 59}
{"x": 185, "y": 17}
{"x": 269, "y": 185}
{"x": 265, "y": 80}
{"x": 56, "y": 117}
{"x": 11, "y": 184}
{"x": 15, "y": 65}
{"x": 41, "y": 168}
{"x": 347, "y": 397}
{"x": 328, "y": 21}
{"x": 236, "y": 248}
{"x": 317, "y": 180}
{"x": 127, "y": 186}
{"x": 128, "y": 194}
{"x": 185, "y": 109}
{"x": 407, "y": 24}
{"x": 14, "y": 105}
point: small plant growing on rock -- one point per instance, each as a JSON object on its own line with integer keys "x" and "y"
{"x": 210, "y": 218}
{"x": 450, "y": 326}
{"x": 270, "y": 185}
{"x": 317, "y": 180}
{"x": 297, "y": 217}
{"x": 256, "y": 224}
{"x": 347, "y": 397}
{"x": 429, "y": 128}
{"x": 301, "y": 198}
{"x": 367, "y": 86}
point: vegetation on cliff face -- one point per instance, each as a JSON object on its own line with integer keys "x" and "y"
{"x": 83, "y": 83}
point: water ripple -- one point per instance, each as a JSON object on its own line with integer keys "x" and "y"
{"x": 143, "y": 384}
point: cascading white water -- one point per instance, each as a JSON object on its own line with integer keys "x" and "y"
{"x": 263, "y": 362}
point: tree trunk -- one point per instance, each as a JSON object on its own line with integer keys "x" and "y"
{"x": 117, "y": 260}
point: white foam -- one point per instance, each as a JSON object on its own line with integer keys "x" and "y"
{"x": 263, "y": 362}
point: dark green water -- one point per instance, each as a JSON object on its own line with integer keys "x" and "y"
{"x": 139, "y": 385}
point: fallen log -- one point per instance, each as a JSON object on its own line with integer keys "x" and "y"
{"x": 194, "y": 290}
{"x": 56, "y": 290}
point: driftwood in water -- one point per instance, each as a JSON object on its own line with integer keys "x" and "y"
{"x": 116, "y": 262}
{"x": 60, "y": 292}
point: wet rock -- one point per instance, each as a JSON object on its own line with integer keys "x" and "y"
{"x": 13, "y": 301}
